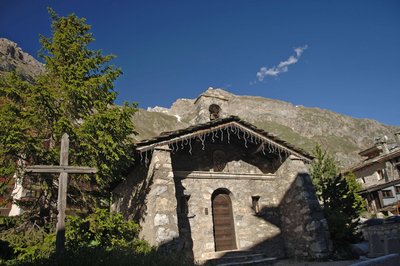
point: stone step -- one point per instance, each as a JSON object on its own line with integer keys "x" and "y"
{"x": 230, "y": 253}
{"x": 252, "y": 261}
{"x": 238, "y": 257}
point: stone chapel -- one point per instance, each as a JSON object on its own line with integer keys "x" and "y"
{"x": 224, "y": 185}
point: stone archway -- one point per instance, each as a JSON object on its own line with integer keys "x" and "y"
{"x": 223, "y": 223}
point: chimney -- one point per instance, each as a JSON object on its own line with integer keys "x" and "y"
{"x": 397, "y": 137}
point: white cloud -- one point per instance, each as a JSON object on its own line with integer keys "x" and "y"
{"x": 282, "y": 67}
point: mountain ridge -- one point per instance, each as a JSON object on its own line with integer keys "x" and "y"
{"x": 13, "y": 58}
{"x": 342, "y": 135}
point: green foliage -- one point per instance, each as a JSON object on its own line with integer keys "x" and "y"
{"x": 100, "y": 229}
{"x": 100, "y": 238}
{"x": 354, "y": 187}
{"x": 341, "y": 209}
{"x": 75, "y": 95}
{"x": 323, "y": 169}
{"x": 341, "y": 203}
{"x": 15, "y": 120}
{"x": 26, "y": 243}
{"x": 81, "y": 96}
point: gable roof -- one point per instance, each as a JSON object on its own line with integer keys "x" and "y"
{"x": 217, "y": 125}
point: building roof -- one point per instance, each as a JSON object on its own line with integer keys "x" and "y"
{"x": 218, "y": 125}
{"x": 379, "y": 186}
{"x": 378, "y": 159}
{"x": 371, "y": 152}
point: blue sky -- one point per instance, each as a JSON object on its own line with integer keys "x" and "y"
{"x": 338, "y": 55}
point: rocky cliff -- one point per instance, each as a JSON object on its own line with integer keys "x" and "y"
{"x": 12, "y": 58}
{"x": 342, "y": 135}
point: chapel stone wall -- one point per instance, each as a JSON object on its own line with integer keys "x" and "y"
{"x": 129, "y": 197}
{"x": 304, "y": 226}
{"x": 275, "y": 210}
{"x": 152, "y": 200}
{"x": 205, "y": 100}
{"x": 254, "y": 231}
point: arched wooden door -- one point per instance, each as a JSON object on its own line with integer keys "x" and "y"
{"x": 224, "y": 229}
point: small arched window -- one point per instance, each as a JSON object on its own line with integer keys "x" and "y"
{"x": 214, "y": 111}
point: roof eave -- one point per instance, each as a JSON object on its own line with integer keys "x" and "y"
{"x": 193, "y": 131}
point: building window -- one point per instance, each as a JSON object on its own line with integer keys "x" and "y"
{"x": 380, "y": 174}
{"x": 387, "y": 194}
{"x": 397, "y": 189}
{"x": 30, "y": 194}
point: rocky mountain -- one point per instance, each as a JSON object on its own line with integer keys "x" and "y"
{"x": 342, "y": 135}
{"x": 12, "y": 58}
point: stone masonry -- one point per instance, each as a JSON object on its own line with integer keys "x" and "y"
{"x": 160, "y": 225}
{"x": 303, "y": 223}
{"x": 274, "y": 206}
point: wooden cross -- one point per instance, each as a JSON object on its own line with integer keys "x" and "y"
{"x": 64, "y": 170}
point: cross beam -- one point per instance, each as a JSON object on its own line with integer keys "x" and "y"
{"x": 60, "y": 169}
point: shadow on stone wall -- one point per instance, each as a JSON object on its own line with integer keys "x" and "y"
{"x": 303, "y": 228}
{"x": 204, "y": 159}
{"x": 185, "y": 232}
{"x": 137, "y": 186}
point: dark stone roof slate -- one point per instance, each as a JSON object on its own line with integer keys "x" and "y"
{"x": 165, "y": 136}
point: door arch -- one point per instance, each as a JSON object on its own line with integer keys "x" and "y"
{"x": 223, "y": 223}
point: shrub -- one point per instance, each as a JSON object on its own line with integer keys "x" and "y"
{"x": 100, "y": 229}
{"x": 100, "y": 238}
{"x": 24, "y": 241}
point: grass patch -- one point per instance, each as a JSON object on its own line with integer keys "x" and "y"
{"x": 151, "y": 124}
{"x": 287, "y": 134}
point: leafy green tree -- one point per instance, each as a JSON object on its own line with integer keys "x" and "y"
{"x": 341, "y": 203}
{"x": 354, "y": 186}
{"x": 17, "y": 120}
{"x": 75, "y": 95}
{"x": 323, "y": 169}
